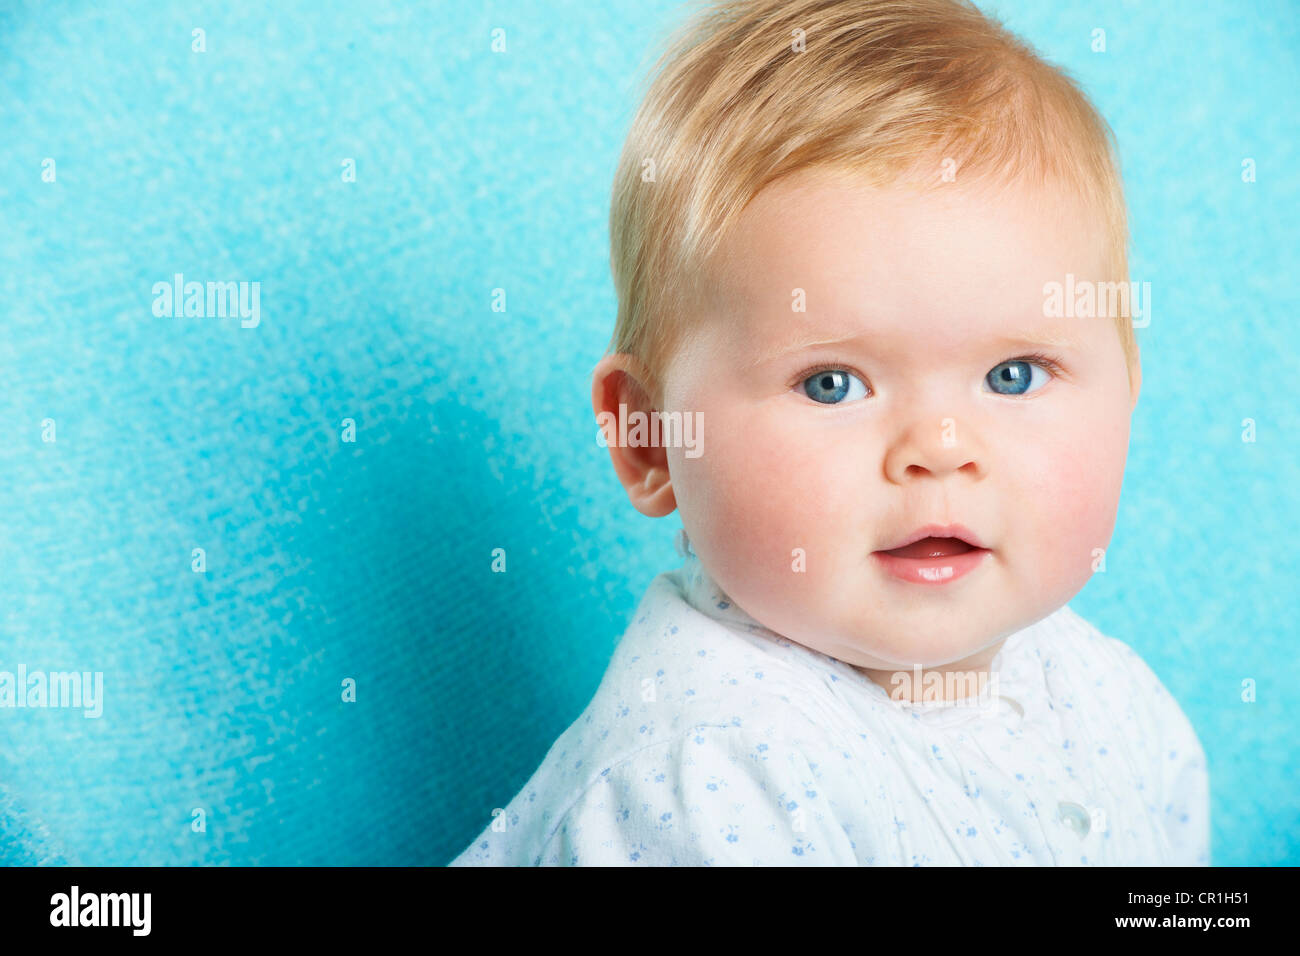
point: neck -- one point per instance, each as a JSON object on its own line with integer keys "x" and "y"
{"x": 947, "y": 682}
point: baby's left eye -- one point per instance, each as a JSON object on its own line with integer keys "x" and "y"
{"x": 1016, "y": 377}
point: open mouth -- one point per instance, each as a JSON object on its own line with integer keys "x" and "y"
{"x": 932, "y": 560}
{"x": 933, "y": 548}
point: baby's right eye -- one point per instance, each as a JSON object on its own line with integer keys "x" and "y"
{"x": 831, "y": 386}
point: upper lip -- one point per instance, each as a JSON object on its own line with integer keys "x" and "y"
{"x": 938, "y": 531}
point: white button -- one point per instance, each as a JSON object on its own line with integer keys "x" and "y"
{"x": 1074, "y": 816}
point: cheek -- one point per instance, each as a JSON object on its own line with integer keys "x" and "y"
{"x": 1073, "y": 505}
{"x": 748, "y": 508}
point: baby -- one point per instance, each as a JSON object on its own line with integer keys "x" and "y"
{"x": 840, "y": 232}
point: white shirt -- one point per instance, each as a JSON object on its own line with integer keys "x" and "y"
{"x": 715, "y": 741}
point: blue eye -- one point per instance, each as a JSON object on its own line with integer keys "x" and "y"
{"x": 1015, "y": 377}
{"x": 832, "y": 385}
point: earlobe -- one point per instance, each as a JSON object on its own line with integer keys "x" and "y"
{"x": 655, "y": 498}
{"x": 620, "y": 386}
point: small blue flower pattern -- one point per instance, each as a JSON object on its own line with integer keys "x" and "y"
{"x": 756, "y": 750}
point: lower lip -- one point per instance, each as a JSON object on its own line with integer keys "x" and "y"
{"x": 932, "y": 571}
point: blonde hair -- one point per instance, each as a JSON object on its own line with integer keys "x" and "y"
{"x": 879, "y": 86}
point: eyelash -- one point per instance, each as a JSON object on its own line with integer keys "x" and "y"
{"x": 1037, "y": 358}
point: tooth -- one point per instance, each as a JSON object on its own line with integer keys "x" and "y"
{"x": 935, "y": 574}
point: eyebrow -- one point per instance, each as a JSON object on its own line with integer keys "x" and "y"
{"x": 1030, "y": 338}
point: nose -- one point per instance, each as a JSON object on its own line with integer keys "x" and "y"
{"x": 934, "y": 448}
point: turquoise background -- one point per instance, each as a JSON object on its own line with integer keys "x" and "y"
{"x": 371, "y": 559}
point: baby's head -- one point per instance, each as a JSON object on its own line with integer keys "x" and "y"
{"x": 836, "y": 227}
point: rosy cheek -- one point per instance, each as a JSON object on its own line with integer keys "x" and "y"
{"x": 745, "y": 506}
{"x": 1074, "y": 508}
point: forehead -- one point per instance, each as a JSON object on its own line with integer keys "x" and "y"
{"x": 953, "y": 257}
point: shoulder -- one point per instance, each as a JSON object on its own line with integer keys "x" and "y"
{"x": 1114, "y": 672}
{"x": 687, "y": 706}
{"x": 714, "y": 795}
{"x": 637, "y": 785}
{"x": 1089, "y": 668}
{"x": 677, "y": 668}
{"x": 1108, "y": 676}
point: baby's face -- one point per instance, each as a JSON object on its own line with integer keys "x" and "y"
{"x": 834, "y": 433}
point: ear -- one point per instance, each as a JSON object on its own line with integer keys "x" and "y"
{"x": 621, "y": 380}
